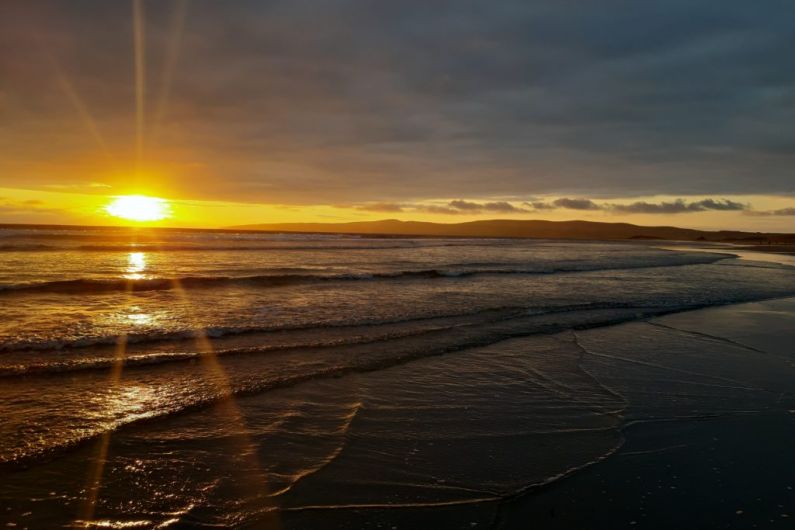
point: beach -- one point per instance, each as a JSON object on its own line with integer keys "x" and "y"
{"x": 395, "y": 384}
{"x": 351, "y": 265}
{"x": 709, "y": 458}
{"x": 727, "y": 469}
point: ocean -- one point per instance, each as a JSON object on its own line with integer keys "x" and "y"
{"x": 203, "y": 379}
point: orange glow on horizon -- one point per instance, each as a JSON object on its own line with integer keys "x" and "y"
{"x": 87, "y": 203}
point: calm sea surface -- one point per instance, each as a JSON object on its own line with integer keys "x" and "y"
{"x": 201, "y": 379}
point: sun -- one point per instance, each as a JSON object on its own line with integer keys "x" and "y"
{"x": 139, "y": 208}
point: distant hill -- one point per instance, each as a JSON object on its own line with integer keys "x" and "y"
{"x": 524, "y": 229}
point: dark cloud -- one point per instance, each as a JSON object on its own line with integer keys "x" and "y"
{"x": 460, "y": 206}
{"x": 465, "y": 206}
{"x": 678, "y": 206}
{"x": 723, "y": 205}
{"x": 576, "y": 204}
{"x": 444, "y": 210}
{"x": 380, "y": 207}
{"x": 501, "y": 206}
{"x": 642, "y": 207}
{"x": 539, "y": 205}
{"x": 497, "y": 207}
{"x": 322, "y": 102}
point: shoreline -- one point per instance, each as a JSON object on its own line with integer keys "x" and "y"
{"x": 787, "y": 250}
{"x": 741, "y": 252}
{"x": 714, "y": 469}
{"x": 598, "y": 396}
{"x": 395, "y": 229}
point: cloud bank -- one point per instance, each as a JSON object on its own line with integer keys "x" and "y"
{"x": 679, "y": 206}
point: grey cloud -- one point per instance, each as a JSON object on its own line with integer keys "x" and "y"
{"x": 380, "y": 207}
{"x": 576, "y": 204}
{"x": 540, "y": 205}
{"x": 497, "y": 207}
{"x": 642, "y": 207}
{"x": 501, "y": 206}
{"x": 678, "y": 206}
{"x": 464, "y": 205}
{"x": 438, "y": 209}
{"x": 460, "y": 206}
{"x": 723, "y": 205}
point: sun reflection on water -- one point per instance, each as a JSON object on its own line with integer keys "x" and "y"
{"x": 124, "y": 402}
{"x": 140, "y": 318}
{"x": 136, "y": 265}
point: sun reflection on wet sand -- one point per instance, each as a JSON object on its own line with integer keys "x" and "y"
{"x": 136, "y": 265}
{"x": 252, "y": 480}
{"x": 88, "y": 507}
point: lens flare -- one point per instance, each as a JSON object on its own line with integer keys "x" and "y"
{"x": 139, "y": 208}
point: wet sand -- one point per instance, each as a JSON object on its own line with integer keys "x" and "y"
{"x": 776, "y": 249}
{"x": 733, "y": 469}
{"x": 725, "y": 472}
{"x": 731, "y": 472}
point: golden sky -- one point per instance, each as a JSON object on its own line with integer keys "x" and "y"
{"x": 55, "y": 207}
{"x": 259, "y": 112}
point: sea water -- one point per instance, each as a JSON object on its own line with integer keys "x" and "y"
{"x": 167, "y": 378}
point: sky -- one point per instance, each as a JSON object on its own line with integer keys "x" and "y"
{"x": 667, "y": 112}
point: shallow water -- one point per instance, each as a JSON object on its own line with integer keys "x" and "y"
{"x": 189, "y": 379}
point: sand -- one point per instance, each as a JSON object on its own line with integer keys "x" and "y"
{"x": 734, "y": 470}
